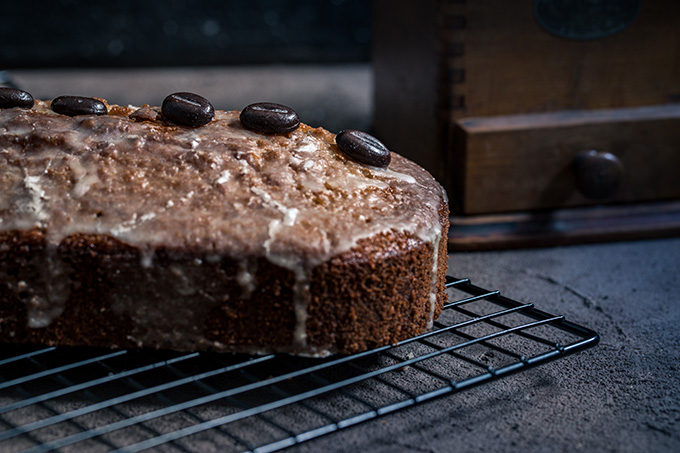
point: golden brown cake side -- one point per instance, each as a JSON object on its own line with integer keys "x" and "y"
{"x": 364, "y": 298}
{"x": 125, "y": 231}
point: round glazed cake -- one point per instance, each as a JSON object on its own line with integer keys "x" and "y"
{"x": 126, "y": 228}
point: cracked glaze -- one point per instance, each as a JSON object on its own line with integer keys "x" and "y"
{"x": 218, "y": 189}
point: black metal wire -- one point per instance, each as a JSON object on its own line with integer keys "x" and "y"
{"x": 266, "y": 393}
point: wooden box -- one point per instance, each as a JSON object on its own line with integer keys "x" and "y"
{"x": 531, "y": 112}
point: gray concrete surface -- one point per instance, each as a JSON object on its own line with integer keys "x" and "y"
{"x": 621, "y": 396}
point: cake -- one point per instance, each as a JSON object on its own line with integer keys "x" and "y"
{"x": 188, "y": 228}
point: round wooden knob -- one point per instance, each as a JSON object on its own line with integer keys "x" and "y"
{"x": 598, "y": 174}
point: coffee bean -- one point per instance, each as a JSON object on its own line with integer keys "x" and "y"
{"x": 363, "y": 147}
{"x": 78, "y": 105}
{"x": 269, "y": 118}
{"x": 12, "y": 97}
{"x": 188, "y": 109}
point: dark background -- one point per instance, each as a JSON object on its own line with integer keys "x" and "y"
{"x": 80, "y": 33}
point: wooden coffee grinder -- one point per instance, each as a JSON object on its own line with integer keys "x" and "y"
{"x": 547, "y": 121}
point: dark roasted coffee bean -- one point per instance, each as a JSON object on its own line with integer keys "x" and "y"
{"x": 78, "y": 105}
{"x": 269, "y": 118}
{"x": 188, "y": 109}
{"x": 12, "y": 97}
{"x": 363, "y": 147}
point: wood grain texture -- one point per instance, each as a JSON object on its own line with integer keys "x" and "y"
{"x": 514, "y": 66}
{"x": 439, "y": 63}
{"x": 525, "y": 162}
{"x": 587, "y": 224}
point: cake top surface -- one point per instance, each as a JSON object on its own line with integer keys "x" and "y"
{"x": 219, "y": 187}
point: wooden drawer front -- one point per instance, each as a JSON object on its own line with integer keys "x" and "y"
{"x": 526, "y": 162}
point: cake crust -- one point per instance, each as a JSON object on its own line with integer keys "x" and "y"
{"x": 227, "y": 239}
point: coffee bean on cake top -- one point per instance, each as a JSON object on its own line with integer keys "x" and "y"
{"x": 269, "y": 118}
{"x": 78, "y": 105}
{"x": 364, "y": 148}
{"x": 13, "y": 97}
{"x": 188, "y": 109}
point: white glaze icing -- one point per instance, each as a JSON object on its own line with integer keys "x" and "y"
{"x": 85, "y": 177}
{"x": 34, "y": 205}
{"x": 225, "y": 176}
{"x": 433, "y": 282}
{"x": 246, "y": 277}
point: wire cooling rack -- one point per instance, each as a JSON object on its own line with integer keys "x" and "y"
{"x": 71, "y": 399}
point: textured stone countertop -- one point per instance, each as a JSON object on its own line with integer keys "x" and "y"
{"x": 623, "y": 395}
